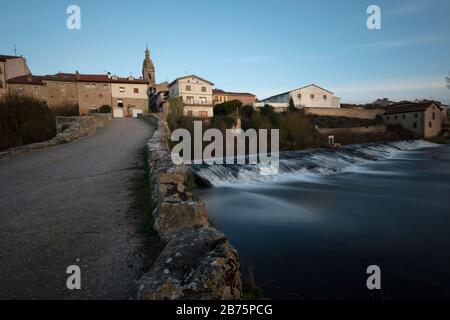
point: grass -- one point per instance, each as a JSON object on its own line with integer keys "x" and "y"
{"x": 143, "y": 196}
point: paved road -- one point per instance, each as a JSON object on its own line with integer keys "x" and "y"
{"x": 73, "y": 204}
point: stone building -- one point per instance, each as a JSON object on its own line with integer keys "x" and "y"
{"x": 196, "y": 95}
{"x": 128, "y": 97}
{"x": 159, "y": 98}
{"x": 311, "y": 96}
{"x": 11, "y": 67}
{"x": 423, "y": 119}
{"x": 220, "y": 96}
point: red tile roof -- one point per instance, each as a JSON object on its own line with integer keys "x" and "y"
{"x": 37, "y": 80}
{"x": 220, "y": 91}
{"x": 74, "y": 77}
{"x": 406, "y": 107}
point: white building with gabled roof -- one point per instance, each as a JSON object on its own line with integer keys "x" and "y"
{"x": 311, "y": 96}
{"x": 196, "y": 94}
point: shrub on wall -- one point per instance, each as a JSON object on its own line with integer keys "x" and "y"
{"x": 105, "y": 109}
{"x": 66, "y": 109}
{"x": 23, "y": 120}
{"x": 227, "y": 108}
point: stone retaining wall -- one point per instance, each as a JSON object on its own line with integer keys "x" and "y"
{"x": 370, "y": 129}
{"x": 198, "y": 262}
{"x": 343, "y": 112}
{"x": 68, "y": 129}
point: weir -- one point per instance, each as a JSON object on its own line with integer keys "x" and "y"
{"x": 309, "y": 163}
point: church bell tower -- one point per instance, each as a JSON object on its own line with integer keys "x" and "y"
{"x": 148, "y": 69}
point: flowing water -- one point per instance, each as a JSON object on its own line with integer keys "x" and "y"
{"x": 311, "y": 231}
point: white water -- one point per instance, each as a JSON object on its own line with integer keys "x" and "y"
{"x": 307, "y": 165}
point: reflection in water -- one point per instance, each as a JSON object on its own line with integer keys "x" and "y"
{"x": 314, "y": 238}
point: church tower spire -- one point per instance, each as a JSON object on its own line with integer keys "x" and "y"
{"x": 148, "y": 69}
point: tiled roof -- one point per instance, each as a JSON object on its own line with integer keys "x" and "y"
{"x": 3, "y": 58}
{"x": 74, "y": 77}
{"x": 406, "y": 107}
{"x": 37, "y": 80}
{"x": 220, "y": 91}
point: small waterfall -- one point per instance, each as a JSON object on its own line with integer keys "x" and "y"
{"x": 309, "y": 163}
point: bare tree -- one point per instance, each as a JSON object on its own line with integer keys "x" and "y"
{"x": 447, "y": 79}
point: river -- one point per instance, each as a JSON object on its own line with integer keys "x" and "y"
{"x": 311, "y": 231}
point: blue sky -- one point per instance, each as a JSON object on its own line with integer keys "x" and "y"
{"x": 264, "y": 47}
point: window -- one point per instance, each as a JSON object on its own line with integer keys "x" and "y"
{"x": 434, "y": 116}
{"x": 415, "y": 115}
{"x": 203, "y": 100}
{"x": 396, "y": 117}
{"x": 94, "y": 86}
{"x": 188, "y": 88}
{"x": 190, "y": 99}
{"x": 1, "y": 84}
{"x": 430, "y": 124}
{"x": 100, "y": 95}
{"x": 203, "y": 114}
{"x": 20, "y": 88}
{"x": 136, "y": 90}
{"x": 415, "y": 125}
{"x": 87, "y": 85}
{"x": 404, "y": 116}
{"x": 190, "y": 114}
{"x": 299, "y": 96}
{"x": 388, "y": 118}
{"x": 105, "y": 86}
{"x": 1, "y": 70}
{"x": 203, "y": 89}
{"x": 311, "y": 96}
{"x": 36, "y": 89}
{"x": 121, "y": 89}
{"x": 120, "y": 103}
{"x": 93, "y": 109}
{"x": 324, "y": 97}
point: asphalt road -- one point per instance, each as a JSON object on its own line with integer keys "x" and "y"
{"x": 74, "y": 204}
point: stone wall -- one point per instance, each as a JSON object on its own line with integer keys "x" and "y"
{"x": 370, "y": 129}
{"x": 68, "y": 129}
{"x": 197, "y": 262}
{"x": 343, "y": 112}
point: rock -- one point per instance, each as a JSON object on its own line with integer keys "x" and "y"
{"x": 200, "y": 181}
{"x": 207, "y": 270}
{"x": 177, "y": 216}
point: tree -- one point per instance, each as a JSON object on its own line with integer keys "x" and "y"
{"x": 227, "y": 108}
{"x": 292, "y": 107}
{"x": 447, "y": 79}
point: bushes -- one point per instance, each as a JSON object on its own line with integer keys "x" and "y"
{"x": 227, "y": 108}
{"x": 24, "y": 120}
{"x": 175, "y": 113}
{"x": 65, "y": 109}
{"x": 105, "y": 109}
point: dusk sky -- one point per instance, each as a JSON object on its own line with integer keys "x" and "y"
{"x": 263, "y": 47}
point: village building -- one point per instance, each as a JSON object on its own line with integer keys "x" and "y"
{"x": 128, "y": 97}
{"x": 11, "y": 67}
{"x": 196, "y": 95}
{"x": 159, "y": 98}
{"x": 423, "y": 119}
{"x": 311, "y": 96}
{"x": 220, "y": 96}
